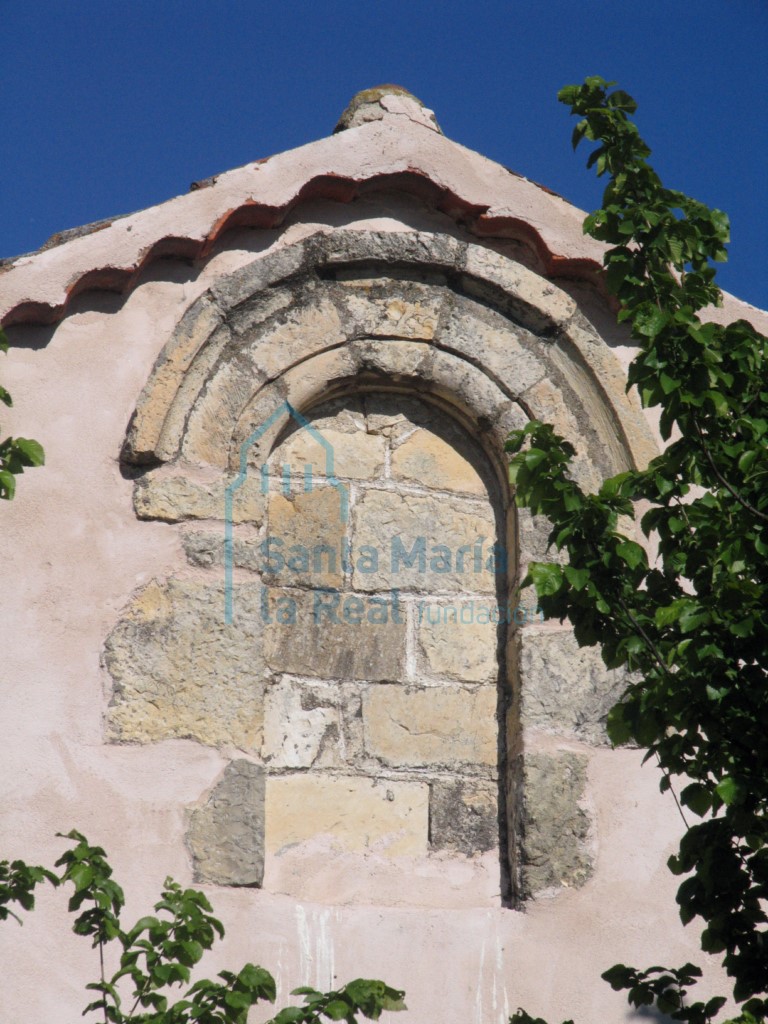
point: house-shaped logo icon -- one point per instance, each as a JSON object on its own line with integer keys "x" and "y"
{"x": 285, "y": 411}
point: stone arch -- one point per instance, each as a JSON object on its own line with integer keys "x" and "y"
{"x": 461, "y": 329}
{"x": 331, "y": 292}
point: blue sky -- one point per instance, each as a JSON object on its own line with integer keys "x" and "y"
{"x": 110, "y": 107}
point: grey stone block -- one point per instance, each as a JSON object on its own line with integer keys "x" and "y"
{"x": 463, "y": 816}
{"x": 555, "y": 826}
{"x": 566, "y": 688}
{"x": 226, "y": 834}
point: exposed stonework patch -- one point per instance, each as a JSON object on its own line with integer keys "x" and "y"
{"x": 179, "y": 671}
{"x": 226, "y": 834}
{"x": 335, "y": 635}
{"x": 435, "y": 726}
{"x": 177, "y": 498}
{"x": 383, "y": 816}
{"x": 556, "y": 828}
{"x": 453, "y": 647}
{"x": 374, "y": 104}
{"x": 566, "y": 688}
{"x": 482, "y": 341}
{"x": 463, "y": 816}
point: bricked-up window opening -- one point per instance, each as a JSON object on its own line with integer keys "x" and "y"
{"x": 384, "y": 626}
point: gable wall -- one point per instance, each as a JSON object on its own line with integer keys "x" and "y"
{"x": 127, "y": 579}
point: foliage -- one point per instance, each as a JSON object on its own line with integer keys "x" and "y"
{"x": 692, "y": 624}
{"x": 16, "y": 453}
{"x": 159, "y": 952}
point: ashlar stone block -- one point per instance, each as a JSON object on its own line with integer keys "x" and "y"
{"x": 556, "y": 827}
{"x": 174, "y": 499}
{"x": 425, "y": 458}
{"x": 422, "y": 542}
{"x": 305, "y": 539}
{"x": 566, "y": 689}
{"x": 437, "y": 726}
{"x": 347, "y": 455}
{"x": 334, "y": 635}
{"x": 226, "y": 834}
{"x": 391, "y": 358}
{"x": 299, "y": 723}
{"x": 388, "y": 817}
{"x": 179, "y": 671}
{"x": 459, "y": 640}
{"x": 205, "y": 549}
{"x": 534, "y": 534}
{"x": 463, "y": 816}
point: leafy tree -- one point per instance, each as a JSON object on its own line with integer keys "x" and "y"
{"x": 159, "y": 952}
{"x": 16, "y": 453}
{"x": 692, "y": 623}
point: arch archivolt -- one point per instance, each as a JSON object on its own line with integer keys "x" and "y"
{"x": 411, "y": 350}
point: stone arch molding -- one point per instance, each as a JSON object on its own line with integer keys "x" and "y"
{"x": 470, "y": 327}
{"x": 468, "y": 332}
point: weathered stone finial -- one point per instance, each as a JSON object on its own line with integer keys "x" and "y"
{"x": 375, "y": 104}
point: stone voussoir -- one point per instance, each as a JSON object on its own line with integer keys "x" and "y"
{"x": 267, "y": 269}
{"x": 391, "y": 247}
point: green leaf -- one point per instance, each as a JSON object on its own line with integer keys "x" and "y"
{"x": 631, "y": 553}
{"x": 7, "y": 484}
{"x": 729, "y": 791}
{"x": 618, "y": 726}
{"x": 668, "y": 614}
{"x": 578, "y": 578}
{"x": 698, "y": 798}
{"x": 533, "y": 457}
{"x": 337, "y": 1009}
{"x": 547, "y": 578}
{"x": 31, "y": 451}
{"x": 747, "y": 460}
{"x": 289, "y": 1015}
